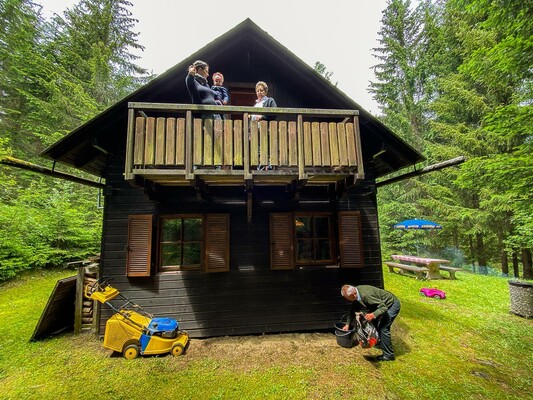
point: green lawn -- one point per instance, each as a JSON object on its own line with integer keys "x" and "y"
{"x": 465, "y": 347}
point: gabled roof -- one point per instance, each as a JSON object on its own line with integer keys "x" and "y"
{"x": 87, "y": 147}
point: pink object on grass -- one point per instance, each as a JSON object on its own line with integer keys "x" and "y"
{"x": 432, "y": 292}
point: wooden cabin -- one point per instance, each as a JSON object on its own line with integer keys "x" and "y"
{"x": 194, "y": 231}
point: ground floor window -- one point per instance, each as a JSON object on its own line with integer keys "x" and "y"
{"x": 314, "y": 239}
{"x": 181, "y": 242}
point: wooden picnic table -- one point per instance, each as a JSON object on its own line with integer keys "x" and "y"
{"x": 432, "y": 264}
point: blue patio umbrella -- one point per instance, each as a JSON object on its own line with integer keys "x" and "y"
{"x": 417, "y": 224}
{"x": 423, "y": 224}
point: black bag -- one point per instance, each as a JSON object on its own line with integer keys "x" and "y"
{"x": 366, "y": 332}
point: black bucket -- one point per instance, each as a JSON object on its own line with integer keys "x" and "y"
{"x": 344, "y": 338}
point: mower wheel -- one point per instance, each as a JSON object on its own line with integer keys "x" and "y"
{"x": 177, "y": 349}
{"x": 437, "y": 297}
{"x": 131, "y": 352}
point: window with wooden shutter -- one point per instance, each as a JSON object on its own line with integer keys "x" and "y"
{"x": 139, "y": 247}
{"x": 350, "y": 239}
{"x": 281, "y": 241}
{"x": 217, "y": 243}
{"x": 314, "y": 239}
{"x": 181, "y": 242}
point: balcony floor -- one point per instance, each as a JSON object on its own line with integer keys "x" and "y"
{"x": 225, "y": 176}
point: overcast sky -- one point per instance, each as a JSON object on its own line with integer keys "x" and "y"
{"x": 338, "y": 33}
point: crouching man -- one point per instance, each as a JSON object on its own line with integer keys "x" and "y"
{"x": 376, "y": 304}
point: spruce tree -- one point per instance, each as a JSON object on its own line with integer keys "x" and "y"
{"x": 54, "y": 77}
{"x": 95, "y": 42}
{"x": 404, "y": 86}
{"x": 485, "y": 111}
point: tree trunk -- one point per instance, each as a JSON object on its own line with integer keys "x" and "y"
{"x": 503, "y": 254}
{"x": 515, "y": 265}
{"x": 505, "y": 263}
{"x": 480, "y": 250}
{"x": 526, "y": 263}
{"x": 472, "y": 252}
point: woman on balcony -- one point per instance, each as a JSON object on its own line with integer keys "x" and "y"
{"x": 198, "y": 88}
{"x": 261, "y": 90}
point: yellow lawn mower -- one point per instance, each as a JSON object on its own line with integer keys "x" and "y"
{"x": 132, "y": 331}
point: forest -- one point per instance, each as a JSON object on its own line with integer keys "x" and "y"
{"x": 452, "y": 78}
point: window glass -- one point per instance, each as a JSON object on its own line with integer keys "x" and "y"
{"x": 171, "y": 230}
{"x": 322, "y": 227}
{"x": 191, "y": 253}
{"x": 170, "y": 254}
{"x": 192, "y": 229}
{"x": 313, "y": 239}
{"x": 323, "y": 251}
{"x": 181, "y": 243}
{"x": 303, "y": 227}
{"x": 304, "y": 250}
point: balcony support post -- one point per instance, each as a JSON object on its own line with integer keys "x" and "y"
{"x": 302, "y": 176}
{"x": 358, "y": 148}
{"x": 128, "y": 173}
{"x": 189, "y": 174}
{"x": 246, "y": 142}
{"x": 249, "y": 199}
{"x": 201, "y": 188}
{"x": 294, "y": 188}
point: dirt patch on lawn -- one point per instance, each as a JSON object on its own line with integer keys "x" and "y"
{"x": 328, "y": 369}
{"x": 288, "y": 349}
{"x": 332, "y": 368}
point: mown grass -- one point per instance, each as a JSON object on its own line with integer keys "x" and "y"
{"x": 465, "y": 347}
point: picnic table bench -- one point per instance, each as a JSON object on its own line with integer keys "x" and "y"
{"x": 451, "y": 270}
{"x": 420, "y": 272}
{"x": 431, "y": 264}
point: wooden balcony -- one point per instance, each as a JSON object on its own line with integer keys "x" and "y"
{"x": 168, "y": 146}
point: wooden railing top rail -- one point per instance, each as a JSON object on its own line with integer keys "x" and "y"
{"x": 312, "y": 112}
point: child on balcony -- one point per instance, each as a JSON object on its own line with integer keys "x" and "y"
{"x": 221, "y": 92}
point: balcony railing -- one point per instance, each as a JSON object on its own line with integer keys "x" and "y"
{"x": 175, "y": 144}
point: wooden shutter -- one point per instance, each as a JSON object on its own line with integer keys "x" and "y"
{"x": 139, "y": 247}
{"x": 217, "y": 243}
{"x": 281, "y": 241}
{"x": 350, "y": 239}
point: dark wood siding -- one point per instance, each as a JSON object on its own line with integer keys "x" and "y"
{"x": 250, "y": 297}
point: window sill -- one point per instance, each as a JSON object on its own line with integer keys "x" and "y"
{"x": 322, "y": 266}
